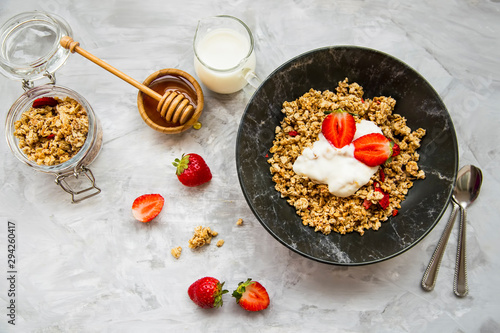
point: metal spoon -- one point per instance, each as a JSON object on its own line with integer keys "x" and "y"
{"x": 430, "y": 275}
{"x": 469, "y": 181}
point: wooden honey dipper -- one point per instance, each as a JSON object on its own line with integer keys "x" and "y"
{"x": 173, "y": 106}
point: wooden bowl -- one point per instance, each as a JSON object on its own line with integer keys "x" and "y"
{"x": 161, "y": 81}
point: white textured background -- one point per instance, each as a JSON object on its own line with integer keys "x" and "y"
{"x": 91, "y": 268}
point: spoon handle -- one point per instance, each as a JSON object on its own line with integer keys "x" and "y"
{"x": 430, "y": 275}
{"x": 460, "y": 286}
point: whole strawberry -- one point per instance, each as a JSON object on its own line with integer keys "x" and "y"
{"x": 192, "y": 170}
{"x": 251, "y": 296}
{"x": 207, "y": 292}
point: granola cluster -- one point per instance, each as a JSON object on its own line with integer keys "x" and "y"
{"x": 317, "y": 207}
{"x": 176, "y": 252}
{"x": 202, "y": 236}
{"x": 51, "y": 135}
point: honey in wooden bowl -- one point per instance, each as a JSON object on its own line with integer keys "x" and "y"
{"x": 163, "y": 81}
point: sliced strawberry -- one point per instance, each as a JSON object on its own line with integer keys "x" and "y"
{"x": 367, "y": 204}
{"x": 44, "y": 101}
{"x": 339, "y": 128}
{"x": 382, "y": 175}
{"x": 251, "y": 296}
{"x": 373, "y": 149}
{"x": 384, "y": 202}
{"x": 147, "y": 207}
{"x": 395, "y": 150}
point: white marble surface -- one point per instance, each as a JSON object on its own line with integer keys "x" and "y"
{"x": 90, "y": 267}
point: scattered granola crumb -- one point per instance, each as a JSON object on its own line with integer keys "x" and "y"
{"x": 176, "y": 252}
{"x": 220, "y": 242}
{"x": 239, "y": 222}
{"x": 202, "y": 236}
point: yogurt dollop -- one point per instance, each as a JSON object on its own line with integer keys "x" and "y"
{"x": 324, "y": 163}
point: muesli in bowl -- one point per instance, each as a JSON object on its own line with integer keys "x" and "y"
{"x": 352, "y": 200}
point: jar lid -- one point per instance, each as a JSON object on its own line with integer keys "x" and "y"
{"x": 29, "y": 45}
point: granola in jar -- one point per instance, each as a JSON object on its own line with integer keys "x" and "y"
{"x": 52, "y": 134}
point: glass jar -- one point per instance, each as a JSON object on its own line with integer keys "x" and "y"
{"x": 27, "y": 62}
{"x": 75, "y": 166}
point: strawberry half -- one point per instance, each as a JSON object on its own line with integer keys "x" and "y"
{"x": 207, "y": 292}
{"x": 192, "y": 170}
{"x": 44, "y": 101}
{"x": 374, "y": 149}
{"x": 251, "y": 296}
{"x": 339, "y": 128}
{"x": 147, "y": 207}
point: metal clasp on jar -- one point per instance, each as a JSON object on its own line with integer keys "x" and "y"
{"x": 28, "y": 85}
{"x": 80, "y": 194}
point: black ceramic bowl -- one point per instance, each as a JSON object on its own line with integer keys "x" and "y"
{"x": 380, "y": 75}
